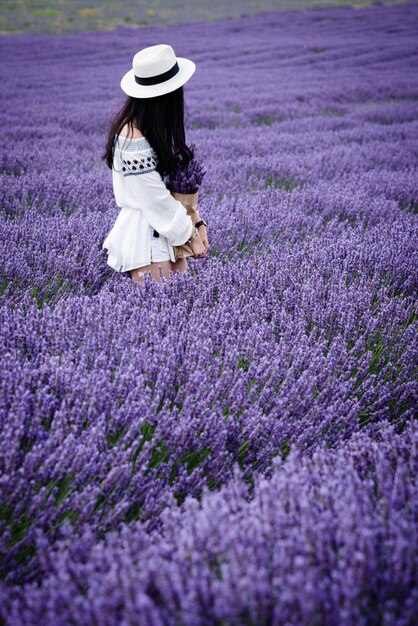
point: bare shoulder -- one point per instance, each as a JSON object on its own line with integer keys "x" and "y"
{"x": 131, "y": 131}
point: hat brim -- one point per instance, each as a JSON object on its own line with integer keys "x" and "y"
{"x": 132, "y": 88}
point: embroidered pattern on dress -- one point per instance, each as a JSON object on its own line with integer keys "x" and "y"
{"x": 134, "y": 165}
{"x": 143, "y": 161}
{"x": 137, "y": 173}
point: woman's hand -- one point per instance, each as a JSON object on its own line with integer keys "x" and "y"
{"x": 197, "y": 244}
{"x": 202, "y": 230}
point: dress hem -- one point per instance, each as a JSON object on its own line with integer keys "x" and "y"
{"x": 117, "y": 264}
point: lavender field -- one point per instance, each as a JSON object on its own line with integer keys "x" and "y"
{"x": 65, "y": 16}
{"x": 237, "y": 446}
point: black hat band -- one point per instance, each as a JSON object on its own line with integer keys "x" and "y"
{"x": 160, "y": 78}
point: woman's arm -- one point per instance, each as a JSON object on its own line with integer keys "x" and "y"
{"x": 146, "y": 190}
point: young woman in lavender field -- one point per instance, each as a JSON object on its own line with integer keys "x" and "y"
{"x": 147, "y": 152}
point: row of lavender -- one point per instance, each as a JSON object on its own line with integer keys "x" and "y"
{"x": 297, "y": 332}
{"x": 327, "y": 540}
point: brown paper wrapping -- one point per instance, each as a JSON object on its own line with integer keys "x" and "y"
{"x": 189, "y": 201}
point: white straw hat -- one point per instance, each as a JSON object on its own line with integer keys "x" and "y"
{"x": 155, "y": 71}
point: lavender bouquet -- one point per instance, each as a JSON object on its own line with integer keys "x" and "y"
{"x": 183, "y": 183}
{"x": 186, "y": 179}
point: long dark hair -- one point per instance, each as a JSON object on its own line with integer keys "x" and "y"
{"x": 161, "y": 121}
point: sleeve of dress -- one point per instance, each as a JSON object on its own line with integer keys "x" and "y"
{"x": 168, "y": 216}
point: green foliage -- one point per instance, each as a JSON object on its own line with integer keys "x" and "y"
{"x": 242, "y": 363}
{"x": 288, "y": 184}
{"x": 147, "y": 431}
{"x": 194, "y": 458}
{"x": 45, "y": 12}
{"x": 113, "y": 438}
{"x": 160, "y": 454}
{"x": 267, "y": 120}
{"x": 331, "y": 111}
{"x": 242, "y": 452}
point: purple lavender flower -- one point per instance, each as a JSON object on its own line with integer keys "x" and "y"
{"x": 186, "y": 178}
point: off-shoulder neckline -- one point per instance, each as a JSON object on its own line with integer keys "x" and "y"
{"x": 144, "y": 139}
{"x": 131, "y": 138}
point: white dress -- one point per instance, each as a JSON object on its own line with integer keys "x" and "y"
{"x": 145, "y": 204}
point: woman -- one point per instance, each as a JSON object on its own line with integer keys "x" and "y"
{"x": 145, "y": 142}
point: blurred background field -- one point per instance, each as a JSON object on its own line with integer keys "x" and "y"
{"x": 65, "y": 16}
